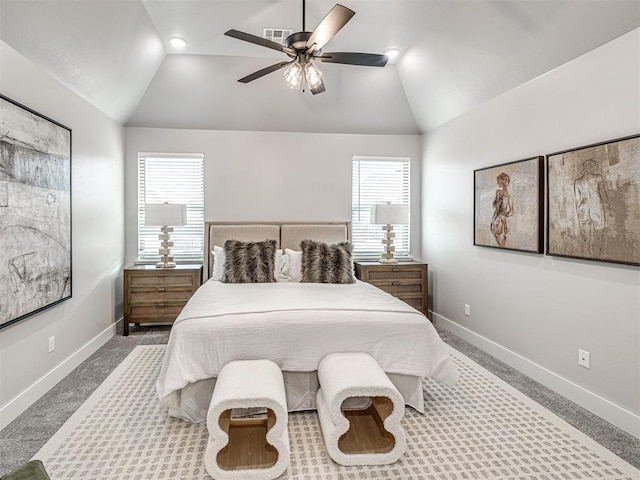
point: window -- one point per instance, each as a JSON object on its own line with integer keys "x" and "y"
{"x": 173, "y": 178}
{"x": 377, "y": 180}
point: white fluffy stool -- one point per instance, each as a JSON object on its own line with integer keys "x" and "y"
{"x": 252, "y": 447}
{"x": 360, "y": 411}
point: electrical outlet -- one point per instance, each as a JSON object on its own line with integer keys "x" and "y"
{"x": 584, "y": 358}
{"x": 467, "y": 310}
{"x": 52, "y": 344}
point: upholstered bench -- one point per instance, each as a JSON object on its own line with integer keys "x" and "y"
{"x": 247, "y": 422}
{"x": 360, "y": 411}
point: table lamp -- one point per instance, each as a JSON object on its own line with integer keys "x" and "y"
{"x": 388, "y": 214}
{"x": 167, "y": 216}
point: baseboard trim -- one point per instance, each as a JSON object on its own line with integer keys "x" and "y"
{"x": 28, "y": 397}
{"x": 605, "y": 409}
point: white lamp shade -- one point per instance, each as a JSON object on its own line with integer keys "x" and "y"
{"x": 390, "y": 214}
{"x": 165, "y": 215}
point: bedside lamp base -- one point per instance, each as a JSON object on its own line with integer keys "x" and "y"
{"x": 387, "y": 256}
{"x": 166, "y": 265}
{"x": 166, "y": 260}
{"x": 388, "y": 260}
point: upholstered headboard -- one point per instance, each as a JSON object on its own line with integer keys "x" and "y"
{"x": 292, "y": 235}
{"x": 288, "y": 235}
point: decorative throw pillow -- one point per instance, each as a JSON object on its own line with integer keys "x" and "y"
{"x": 32, "y": 470}
{"x": 322, "y": 263}
{"x": 249, "y": 262}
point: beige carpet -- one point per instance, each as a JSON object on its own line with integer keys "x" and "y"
{"x": 481, "y": 429}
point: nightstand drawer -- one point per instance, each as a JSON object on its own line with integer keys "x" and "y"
{"x": 161, "y": 279}
{"x": 399, "y": 288}
{"x": 154, "y": 310}
{"x": 159, "y": 294}
{"x": 376, "y": 274}
{"x": 415, "y": 302}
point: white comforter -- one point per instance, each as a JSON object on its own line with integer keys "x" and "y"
{"x": 296, "y": 325}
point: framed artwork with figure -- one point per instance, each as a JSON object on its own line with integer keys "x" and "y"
{"x": 593, "y": 202}
{"x": 35, "y": 212}
{"x": 508, "y": 205}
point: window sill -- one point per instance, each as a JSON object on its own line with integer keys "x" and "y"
{"x": 375, "y": 258}
{"x": 178, "y": 262}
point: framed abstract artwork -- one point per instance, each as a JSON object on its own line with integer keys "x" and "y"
{"x": 593, "y": 202}
{"x": 35, "y": 212}
{"x": 508, "y": 205}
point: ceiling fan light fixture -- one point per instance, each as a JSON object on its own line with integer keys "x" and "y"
{"x": 392, "y": 53}
{"x": 313, "y": 75}
{"x": 293, "y": 75}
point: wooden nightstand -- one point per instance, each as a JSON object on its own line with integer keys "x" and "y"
{"x": 157, "y": 295}
{"x": 405, "y": 280}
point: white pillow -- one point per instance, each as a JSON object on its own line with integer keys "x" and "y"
{"x": 282, "y": 267}
{"x": 295, "y": 265}
{"x": 219, "y": 258}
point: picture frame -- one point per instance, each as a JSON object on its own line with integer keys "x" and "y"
{"x": 508, "y": 206}
{"x": 35, "y": 212}
{"x": 593, "y": 200}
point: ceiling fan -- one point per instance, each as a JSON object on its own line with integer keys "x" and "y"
{"x": 306, "y": 47}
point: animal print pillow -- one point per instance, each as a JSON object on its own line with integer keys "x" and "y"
{"x": 322, "y": 263}
{"x": 249, "y": 262}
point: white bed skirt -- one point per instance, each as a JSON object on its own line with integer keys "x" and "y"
{"x": 300, "y": 387}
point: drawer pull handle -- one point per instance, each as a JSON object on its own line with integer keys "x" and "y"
{"x": 395, "y": 283}
{"x": 161, "y": 289}
{"x": 395, "y": 269}
{"x": 160, "y": 304}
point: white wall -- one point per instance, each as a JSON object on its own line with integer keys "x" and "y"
{"x": 80, "y": 325}
{"x": 271, "y": 176}
{"x": 535, "y": 311}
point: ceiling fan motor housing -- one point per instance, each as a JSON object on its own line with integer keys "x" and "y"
{"x": 298, "y": 40}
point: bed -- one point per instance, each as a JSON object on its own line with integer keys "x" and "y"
{"x": 295, "y": 325}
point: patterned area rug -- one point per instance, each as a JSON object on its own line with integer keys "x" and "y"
{"x": 481, "y": 429}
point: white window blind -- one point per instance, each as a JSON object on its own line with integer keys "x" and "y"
{"x": 378, "y": 180}
{"x": 172, "y": 178}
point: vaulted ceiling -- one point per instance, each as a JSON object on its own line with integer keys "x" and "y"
{"x": 455, "y": 55}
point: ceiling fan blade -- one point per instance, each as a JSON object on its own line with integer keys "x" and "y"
{"x": 331, "y": 24}
{"x": 264, "y": 71}
{"x": 319, "y": 89}
{"x": 349, "y": 58}
{"x": 247, "y": 37}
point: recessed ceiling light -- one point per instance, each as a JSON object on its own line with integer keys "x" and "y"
{"x": 392, "y": 53}
{"x": 177, "y": 42}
